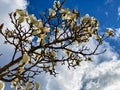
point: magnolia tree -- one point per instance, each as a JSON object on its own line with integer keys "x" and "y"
{"x": 37, "y": 43}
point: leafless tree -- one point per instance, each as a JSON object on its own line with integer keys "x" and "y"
{"x": 38, "y": 42}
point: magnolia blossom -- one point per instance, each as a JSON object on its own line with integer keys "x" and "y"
{"x": 27, "y": 85}
{"x": 67, "y": 17}
{"x": 63, "y": 24}
{"x": 89, "y": 30}
{"x": 85, "y": 18}
{"x": 32, "y": 19}
{"x": 84, "y": 38}
{"x": 93, "y": 21}
{"x": 21, "y": 69}
{"x": 37, "y": 86}
{"x": 56, "y": 5}
{"x": 2, "y": 85}
{"x": 41, "y": 37}
{"x": 52, "y": 12}
{"x": 110, "y": 32}
{"x": 64, "y": 11}
{"x": 20, "y": 19}
{"x": 21, "y": 12}
{"x": 39, "y": 24}
{"x": 46, "y": 29}
{"x": 25, "y": 58}
{"x": 53, "y": 53}
{"x": 36, "y": 31}
{"x": 14, "y": 82}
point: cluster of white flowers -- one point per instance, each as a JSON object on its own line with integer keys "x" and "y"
{"x": 39, "y": 29}
{"x": 68, "y": 15}
{"x": 15, "y": 84}
{"x": 22, "y": 14}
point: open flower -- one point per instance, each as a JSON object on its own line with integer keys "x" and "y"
{"x": 20, "y": 19}
{"x": 39, "y": 24}
{"x": 37, "y": 86}
{"x": 32, "y": 19}
{"x": 64, "y": 11}
{"x": 52, "y": 12}
{"x": 21, "y": 12}
{"x": 26, "y": 58}
{"x": 53, "y": 53}
{"x": 46, "y": 29}
{"x": 56, "y": 5}
{"x": 41, "y": 37}
{"x": 110, "y": 32}
{"x": 85, "y": 18}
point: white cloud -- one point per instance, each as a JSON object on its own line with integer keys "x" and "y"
{"x": 97, "y": 75}
{"x": 103, "y": 76}
{"x": 7, "y": 6}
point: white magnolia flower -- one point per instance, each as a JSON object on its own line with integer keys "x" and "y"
{"x": 20, "y": 19}
{"x": 64, "y": 11}
{"x": 25, "y": 58}
{"x": 32, "y": 19}
{"x": 46, "y": 29}
{"x": 89, "y": 30}
{"x": 56, "y": 5}
{"x": 37, "y": 86}
{"x": 21, "y": 12}
{"x": 21, "y": 69}
{"x": 110, "y": 32}
{"x": 37, "y": 31}
{"x": 53, "y": 53}
{"x": 40, "y": 37}
{"x": 66, "y": 17}
{"x": 39, "y": 24}
{"x": 52, "y": 12}
{"x": 85, "y": 18}
{"x": 63, "y": 24}
{"x": 2, "y": 85}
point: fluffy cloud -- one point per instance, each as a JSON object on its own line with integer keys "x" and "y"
{"x": 7, "y": 6}
{"x": 101, "y": 74}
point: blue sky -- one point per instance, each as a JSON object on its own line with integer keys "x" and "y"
{"x": 104, "y": 72}
{"x": 106, "y": 11}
